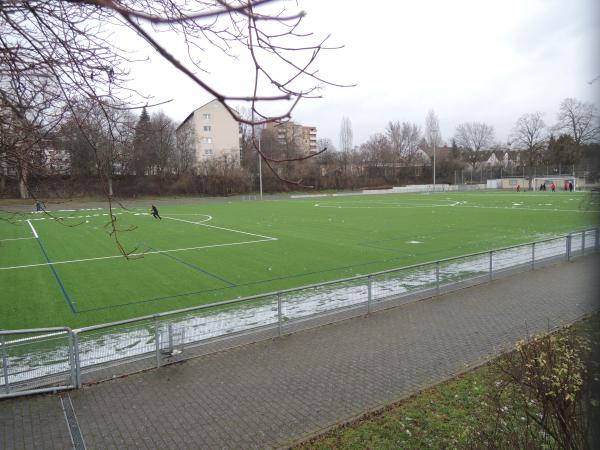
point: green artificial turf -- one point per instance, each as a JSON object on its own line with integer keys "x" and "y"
{"x": 206, "y": 252}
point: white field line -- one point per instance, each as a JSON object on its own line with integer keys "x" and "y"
{"x": 68, "y": 217}
{"x": 268, "y": 238}
{"x": 16, "y": 239}
{"x": 34, "y": 232}
{"x": 200, "y": 222}
{"x": 99, "y": 258}
{"x": 513, "y": 193}
{"x": 389, "y": 206}
{"x": 455, "y": 205}
{"x": 192, "y": 214}
{"x": 519, "y": 208}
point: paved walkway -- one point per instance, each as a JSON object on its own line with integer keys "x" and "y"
{"x": 273, "y": 393}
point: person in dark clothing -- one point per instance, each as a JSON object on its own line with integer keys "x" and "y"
{"x": 155, "y": 213}
{"x": 570, "y": 186}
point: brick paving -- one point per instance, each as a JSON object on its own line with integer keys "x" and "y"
{"x": 272, "y": 393}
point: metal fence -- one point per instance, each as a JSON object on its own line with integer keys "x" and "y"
{"x": 50, "y": 359}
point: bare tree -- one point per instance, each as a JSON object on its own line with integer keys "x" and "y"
{"x": 404, "y": 140}
{"x": 185, "y": 153}
{"x": 433, "y": 135}
{"x": 474, "y": 137}
{"x": 529, "y": 135}
{"x": 162, "y": 143}
{"x": 23, "y": 134}
{"x": 580, "y": 121}
{"x": 345, "y": 135}
{"x": 378, "y": 150}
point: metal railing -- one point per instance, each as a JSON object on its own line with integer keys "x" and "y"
{"x": 50, "y": 359}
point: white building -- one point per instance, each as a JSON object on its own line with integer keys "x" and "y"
{"x": 213, "y": 134}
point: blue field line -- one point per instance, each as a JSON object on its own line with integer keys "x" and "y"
{"x": 193, "y": 266}
{"x": 62, "y": 288}
{"x": 206, "y": 291}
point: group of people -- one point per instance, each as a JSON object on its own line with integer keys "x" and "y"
{"x": 568, "y": 186}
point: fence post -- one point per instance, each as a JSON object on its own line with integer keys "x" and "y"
{"x": 568, "y": 247}
{"x": 582, "y": 243}
{"x": 370, "y": 294}
{"x": 170, "y": 329}
{"x": 4, "y": 364}
{"x": 491, "y": 265}
{"x": 157, "y": 341}
{"x": 72, "y": 359}
{"x": 437, "y": 278}
{"x": 533, "y": 256}
{"x": 279, "y": 318}
{"x": 77, "y": 359}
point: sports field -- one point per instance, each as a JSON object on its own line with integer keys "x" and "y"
{"x": 69, "y": 272}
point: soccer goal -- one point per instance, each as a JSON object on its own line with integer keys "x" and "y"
{"x": 562, "y": 183}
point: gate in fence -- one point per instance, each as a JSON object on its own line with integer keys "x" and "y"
{"x": 37, "y": 360}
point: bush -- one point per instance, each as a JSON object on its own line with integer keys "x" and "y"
{"x": 540, "y": 400}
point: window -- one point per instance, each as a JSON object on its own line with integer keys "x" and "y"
{"x": 206, "y": 140}
{"x": 206, "y": 116}
{"x": 207, "y": 128}
{"x": 208, "y": 152}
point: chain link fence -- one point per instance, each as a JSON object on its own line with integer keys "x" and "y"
{"x": 51, "y": 359}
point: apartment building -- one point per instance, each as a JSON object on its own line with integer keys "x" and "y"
{"x": 305, "y": 137}
{"x": 212, "y": 133}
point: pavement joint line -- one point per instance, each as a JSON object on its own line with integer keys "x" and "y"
{"x": 72, "y": 424}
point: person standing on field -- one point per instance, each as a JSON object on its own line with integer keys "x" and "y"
{"x": 553, "y": 187}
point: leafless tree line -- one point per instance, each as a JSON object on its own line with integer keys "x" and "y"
{"x": 53, "y": 54}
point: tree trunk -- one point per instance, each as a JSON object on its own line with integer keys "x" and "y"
{"x": 23, "y": 191}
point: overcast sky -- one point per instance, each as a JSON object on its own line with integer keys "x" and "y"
{"x": 469, "y": 60}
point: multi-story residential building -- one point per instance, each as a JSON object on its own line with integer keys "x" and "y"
{"x": 212, "y": 134}
{"x": 304, "y": 137}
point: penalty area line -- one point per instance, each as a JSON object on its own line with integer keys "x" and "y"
{"x": 100, "y": 258}
{"x": 221, "y": 228}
